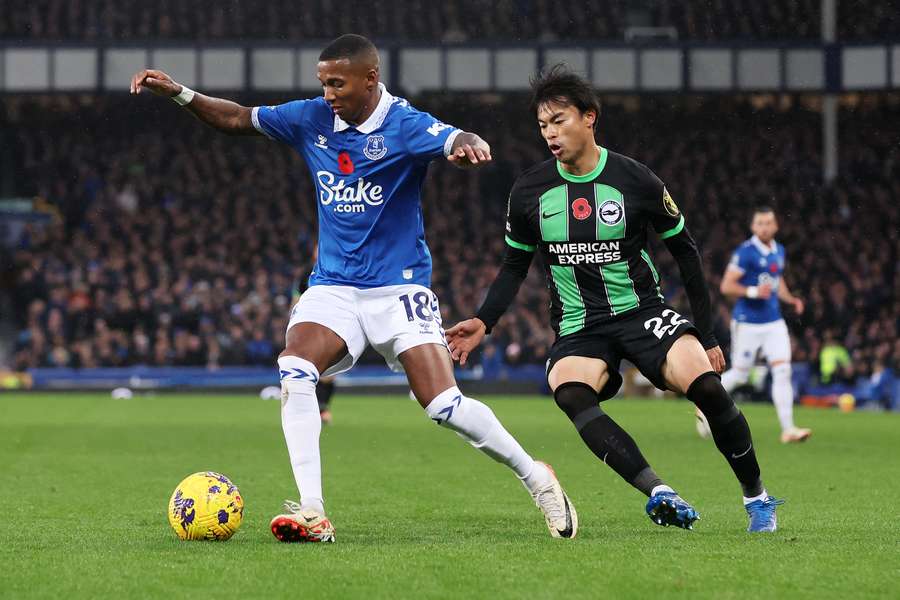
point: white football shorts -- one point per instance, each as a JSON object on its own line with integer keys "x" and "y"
{"x": 749, "y": 338}
{"x": 392, "y": 319}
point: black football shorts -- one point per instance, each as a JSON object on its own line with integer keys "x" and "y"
{"x": 643, "y": 337}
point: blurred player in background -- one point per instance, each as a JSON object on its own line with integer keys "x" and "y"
{"x": 368, "y": 153}
{"x": 324, "y": 392}
{"x": 588, "y": 212}
{"x": 754, "y": 277}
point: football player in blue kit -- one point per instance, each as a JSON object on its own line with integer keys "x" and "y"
{"x": 754, "y": 277}
{"x": 368, "y": 153}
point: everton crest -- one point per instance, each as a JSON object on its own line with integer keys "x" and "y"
{"x": 375, "y": 148}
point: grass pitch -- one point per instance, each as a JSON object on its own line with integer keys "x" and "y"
{"x": 85, "y": 480}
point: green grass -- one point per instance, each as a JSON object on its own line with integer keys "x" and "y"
{"x": 84, "y": 483}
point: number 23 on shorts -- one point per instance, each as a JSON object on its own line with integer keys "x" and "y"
{"x": 660, "y": 328}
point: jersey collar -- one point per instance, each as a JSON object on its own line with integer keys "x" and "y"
{"x": 375, "y": 119}
{"x": 764, "y": 250}
{"x": 601, "y": 162}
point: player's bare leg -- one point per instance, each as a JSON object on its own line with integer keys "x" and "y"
{"x": 310, "y": 350}
{"x": 576, "y": 382}
{"x": 430, "y": 373}
{"x": 592, "y": 372}
{"x": 783, "y": 399}
{"x": 687, "y": 369}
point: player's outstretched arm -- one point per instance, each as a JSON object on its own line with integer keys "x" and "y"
{"x": 732, "y": 287}
{"x": 465, "y": 336}
{"x": 469, "y": 150}
{"x": 686, "y": 254}
{"x": 224, "y": 115}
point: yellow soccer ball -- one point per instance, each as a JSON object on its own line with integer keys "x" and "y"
{"x": 846, "y": 402}
{"x": 206, "y": 506}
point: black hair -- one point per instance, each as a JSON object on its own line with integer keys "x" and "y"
{"x": 561, "y": 85}
{"x": 349, "y": 46}
{"x": 764, "y": 208}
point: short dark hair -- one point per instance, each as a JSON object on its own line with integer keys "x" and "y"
{"x": 762, "y": 209}
{"x": 561, "y": 85}
{"x": 349, "y": 46}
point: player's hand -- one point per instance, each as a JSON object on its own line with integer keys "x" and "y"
{"x": 765, "y": 291}
{"x": 156, "y": 81}
{"x": 716, "y": 359}
{"x": 471, "y": 155}
{"x": 464, "y": 337}
{"x": 799, "y": 307}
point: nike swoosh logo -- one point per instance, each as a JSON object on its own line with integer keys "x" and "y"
{"x": 311, "y": 519}
{"x": 567, "y": 532}
{"x": 744, "y": 453}
{"x": 547, "y": 216}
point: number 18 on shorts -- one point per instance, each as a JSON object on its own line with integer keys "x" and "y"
{"x": 391, "y": 319}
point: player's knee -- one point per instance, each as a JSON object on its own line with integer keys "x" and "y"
{"x": 781, "y": 371}
{"x": 293, "y": 370}
{"x": 574, "y": 398}
{"x": 293, "y": 342}
{"x": 707, "y": 392}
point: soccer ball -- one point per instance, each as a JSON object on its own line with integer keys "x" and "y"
{"x": 206, "y": 506}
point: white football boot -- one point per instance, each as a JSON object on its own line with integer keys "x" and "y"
{"x": 795, "y": 434}
{"x": 298, "y": 524}
{"x": 559, "y": 513}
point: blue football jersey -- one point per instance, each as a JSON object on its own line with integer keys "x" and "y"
{"x": 758, "y": 265}
{"x": 368, "y": 181}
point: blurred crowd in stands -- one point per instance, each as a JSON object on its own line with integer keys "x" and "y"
{"x": 179, "y": 246}
{"x": 450, "y": 21}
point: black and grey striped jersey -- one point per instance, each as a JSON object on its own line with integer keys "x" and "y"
{"x": 591, "y": 231}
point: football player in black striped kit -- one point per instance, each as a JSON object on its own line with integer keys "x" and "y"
{"x": 588, "y": 211}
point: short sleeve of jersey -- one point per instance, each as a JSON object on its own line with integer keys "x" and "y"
{"x": 519, "y": 234}
{"x": 739, "y": 260}
{"x": 426, "y": 137}
{"x": 661, "y": 209}
{"x": 283, "y": 122}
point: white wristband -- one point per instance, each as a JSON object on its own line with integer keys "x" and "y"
{"x": 752, "y": 292}
{"x": 184, "y": 96}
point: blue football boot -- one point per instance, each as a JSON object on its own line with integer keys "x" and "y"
{"x": 668, "y": 508}
{"x": 762, "y": 514}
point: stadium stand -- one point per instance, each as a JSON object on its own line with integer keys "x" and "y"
{"x": 510, "y": 20}
{"x": 177, "y": 246}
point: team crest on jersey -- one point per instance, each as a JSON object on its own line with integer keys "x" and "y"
{"x": 375, "y": 148}
{"x": 581, "y": 209}
{"x": 670, "y": 205}
{"x": 611, "y": 212}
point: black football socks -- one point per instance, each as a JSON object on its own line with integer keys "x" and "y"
{"x": 605, "y": 437}
{"x": 729, "y": 430}
{"x": 324, "y": 391}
